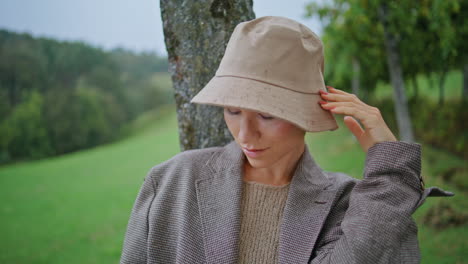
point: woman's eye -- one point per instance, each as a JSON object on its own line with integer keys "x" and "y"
{"x": 232, "y": 112}
{"x": 266, "y": 117}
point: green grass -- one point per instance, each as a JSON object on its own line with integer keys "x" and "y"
{"x": 75, "y": 208}
{"x": 453, "y": 87}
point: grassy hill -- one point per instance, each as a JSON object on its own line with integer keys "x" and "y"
{"x": 75, "y": 208}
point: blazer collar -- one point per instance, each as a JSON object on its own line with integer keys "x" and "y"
{"x": 219, "y": 193}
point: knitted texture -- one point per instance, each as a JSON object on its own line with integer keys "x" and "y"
{"x": 261, "y": 213}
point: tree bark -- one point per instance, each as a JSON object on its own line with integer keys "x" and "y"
{"x": 396, "y": 76}
{"x": 196, "y": 34}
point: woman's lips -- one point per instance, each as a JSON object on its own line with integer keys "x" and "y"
{"x": 253, "y": 153}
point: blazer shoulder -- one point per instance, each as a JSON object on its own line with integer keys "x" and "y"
{"x": 341, "y": 180}
{"x": 183, "y": 163}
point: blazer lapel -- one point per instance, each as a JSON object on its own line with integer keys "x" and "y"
{"x": 307, "y": 206}
{"x": 219, "y": 194}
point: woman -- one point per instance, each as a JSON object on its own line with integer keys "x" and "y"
{"x": 262, "y": 198}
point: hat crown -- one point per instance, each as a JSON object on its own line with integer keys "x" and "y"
{"x": 275, "y": 50}
{"x": 272, "y": 65}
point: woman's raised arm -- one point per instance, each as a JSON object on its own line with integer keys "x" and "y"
{"x": 375, "y": 129}
{"x": 377, "y": 226}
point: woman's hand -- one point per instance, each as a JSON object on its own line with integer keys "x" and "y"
{"x": 376, "y": 130}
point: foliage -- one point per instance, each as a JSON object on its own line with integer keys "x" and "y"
{"x": 431, "y": 36}
{"x": 441, "y": 127}
{"x": 24, "y": 131}
{"x": 445, "y": 215}
{"x": 347, "y": 41}
{"x": 59, "y": 97}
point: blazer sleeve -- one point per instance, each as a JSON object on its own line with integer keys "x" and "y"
{"x": 377, "y": 226}
{"x": 135, "y": 243}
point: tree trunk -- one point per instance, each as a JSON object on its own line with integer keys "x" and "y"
{"x": 465, "y": 82}
{"x": 414, "y": 81}
{"x": 443, "y": 74}
{"x": 196, "y": 34}
{"x": 396, "y": 76}
{"x": 431, "y": 81}
{"x": 355, "y": 83}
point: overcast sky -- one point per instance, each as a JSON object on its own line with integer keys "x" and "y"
{"x": 134, "y": 24}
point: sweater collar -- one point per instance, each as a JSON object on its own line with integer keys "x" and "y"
{"x": 232, "y": 157}
{"x": 219, "y": 197}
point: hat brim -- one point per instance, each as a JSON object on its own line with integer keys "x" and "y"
{"x": 301, "y": 109}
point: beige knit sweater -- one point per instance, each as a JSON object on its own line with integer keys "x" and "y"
{"x": 261, "y": 212}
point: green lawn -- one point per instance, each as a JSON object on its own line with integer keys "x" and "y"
{"x": 74, "y": 208}
{"x": 452, "y": 87}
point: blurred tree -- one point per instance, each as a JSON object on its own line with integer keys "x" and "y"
{"x": 196, "y": 34}
{"x": 395, "y": 68}
{"x": 465, "y": 82}
{"x": 58, "y": 97}
{"x": 24, "y": 132}
{"x": 442, "y": 24}
{"x": 352, "y": 57}
{"x": 365, "y": 33}
{"x": 17, "y": 60}
{"x": 355, "y": 34}
{"x": 142, "y": 90}
{"x": 460, "y": 23}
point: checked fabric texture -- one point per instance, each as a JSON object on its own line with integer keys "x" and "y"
{"x": 188, "y": 210}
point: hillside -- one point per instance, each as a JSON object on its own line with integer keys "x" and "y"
{"x": 74, "y": 208}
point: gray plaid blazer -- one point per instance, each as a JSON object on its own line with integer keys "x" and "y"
{"x": 188, "y": 210}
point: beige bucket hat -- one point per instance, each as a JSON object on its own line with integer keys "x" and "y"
{"x": 272, "y": 65}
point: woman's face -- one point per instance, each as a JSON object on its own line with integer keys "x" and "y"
{"x": 275, "y": 138}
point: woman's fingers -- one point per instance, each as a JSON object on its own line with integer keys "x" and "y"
{"x": 330, "y": 105}
{"x": 375, "y": 130}
{"x": 358, "y": 110}
{"x": 352, "y": 111}
{"x": 336, "y": 97}
{"x": 341, "y": 97}
{"x": 354, "y": 126}
{"x": 334, "y": 90}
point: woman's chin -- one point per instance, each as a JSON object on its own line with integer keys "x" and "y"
{"x": 257, "y": 163}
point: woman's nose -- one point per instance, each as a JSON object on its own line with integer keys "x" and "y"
{"x": 248, "y": 130}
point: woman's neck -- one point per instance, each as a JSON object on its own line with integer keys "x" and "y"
{"x": 278, "y": 174}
